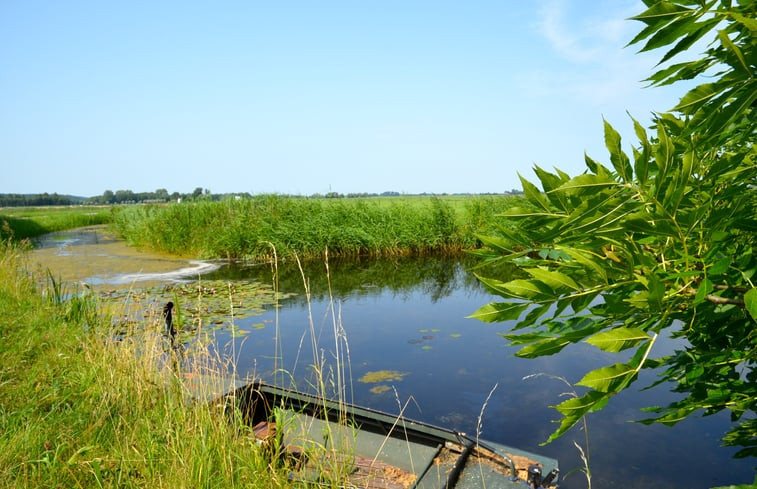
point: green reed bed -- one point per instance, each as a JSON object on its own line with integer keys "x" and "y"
{"x": 79, "y": 409}
{"x": 253, "y": 228}
{"x": 29, "y": 222}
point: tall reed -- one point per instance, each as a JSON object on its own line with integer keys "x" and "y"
{"x": 246, "y": 228}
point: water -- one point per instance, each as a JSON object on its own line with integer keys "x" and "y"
{"x": 409, "y": 316}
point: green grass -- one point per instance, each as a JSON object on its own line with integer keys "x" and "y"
{"x": 28, "y": 222}
{"x": 78, "y": 409}
{"x": 254, "y": 228}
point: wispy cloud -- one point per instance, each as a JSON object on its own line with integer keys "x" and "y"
{"x": 589, "y": 40}
{"x": 585, "y": 35}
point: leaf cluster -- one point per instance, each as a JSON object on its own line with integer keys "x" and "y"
{"x": 657, "y": 242}
{"x": 724, "y": 105}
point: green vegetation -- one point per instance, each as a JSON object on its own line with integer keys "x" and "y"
{"x": 660, "y": 243}
{"x": 28, "y": 222}
{"x": 79, "y": 409}
{"x": 253, "y": 228}
{"x": 24, "y": 200}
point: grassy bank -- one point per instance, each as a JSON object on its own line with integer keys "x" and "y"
{"x": 29, "y": 222}
{"x": 252, "y": 228}
{"x": 78, "y": 409}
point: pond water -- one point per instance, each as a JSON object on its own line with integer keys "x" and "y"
{"x": 405, "y": 342}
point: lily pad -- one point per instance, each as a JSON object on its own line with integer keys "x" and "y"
{"x": 426, "y": 347}
{"x": 455, "y": 335}
{"x": 215, "y": 303}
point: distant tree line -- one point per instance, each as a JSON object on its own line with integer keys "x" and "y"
{"x": 21, "y": 200}
{"x": 161, "y": 195}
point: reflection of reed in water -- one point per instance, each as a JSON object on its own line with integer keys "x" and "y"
{"x": 435, "y": 276}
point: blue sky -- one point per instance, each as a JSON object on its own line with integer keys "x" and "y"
{"x": 309, "y": 97}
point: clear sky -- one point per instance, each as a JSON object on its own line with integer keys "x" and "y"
{"x": 309, "y": 97}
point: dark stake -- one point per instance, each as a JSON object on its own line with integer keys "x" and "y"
{"x": 170, "y": 329}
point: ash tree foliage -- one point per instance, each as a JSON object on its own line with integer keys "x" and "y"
{"x": 657, "y": 242}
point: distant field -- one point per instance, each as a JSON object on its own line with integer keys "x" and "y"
{"x": 29, "y": 222}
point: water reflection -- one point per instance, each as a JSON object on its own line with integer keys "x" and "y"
{"x": 404, "y": 321}
{"x": 434, "y": 277}
{"x": 408, "y": 316}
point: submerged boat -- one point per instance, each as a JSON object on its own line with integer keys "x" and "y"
{"x": 333, "y": 444}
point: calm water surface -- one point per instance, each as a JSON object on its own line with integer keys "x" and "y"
{"x": 409, "y": 316}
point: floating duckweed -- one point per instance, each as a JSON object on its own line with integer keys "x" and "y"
{"x": 380, "y": 389}
{"x": 426, "y": 347}
{"x": 215, "y": 303}
{"x": 382, "y": 376}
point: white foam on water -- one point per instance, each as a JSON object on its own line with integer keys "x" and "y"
{"x": 197, "y": 268}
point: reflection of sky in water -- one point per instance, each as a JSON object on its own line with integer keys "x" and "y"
{"x": 449, "y": 382}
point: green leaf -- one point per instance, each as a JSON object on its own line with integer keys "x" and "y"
{"x": 641, "y": 162}
{"x": 499, "y": 311}
{"x": 498, "y": 244}
{"x": 543, "y": 348}
{"x": 705, "y": 288}
{"x": 570, "y": 333}
{"x": 618, "y": 339}
{"x": 750, "y": 302}
{"x": 555, "y": 280}
{"x": 660, "y": 12}
{"x": 739, "y": 103}
{"x": 576, "y": 408}
{"x": 618, "y": 158}
{"x": 549, "y": 182}
{"x": 749, "y": 22}
{"x": 593, "y": 264}
{"x": 696, "y": 97}
{"x": 720, "y": 266}
{"x": 685, "y": 43}
{"x": 532, "y": 316}
{"x": 728, "y": 44}
{"x": 534, "y": 195}
{"x": 610, "y": 379}
{"x": 527, "y": 289}
{"x": 670, "y": 33}
{"x": 587, "y": 183}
